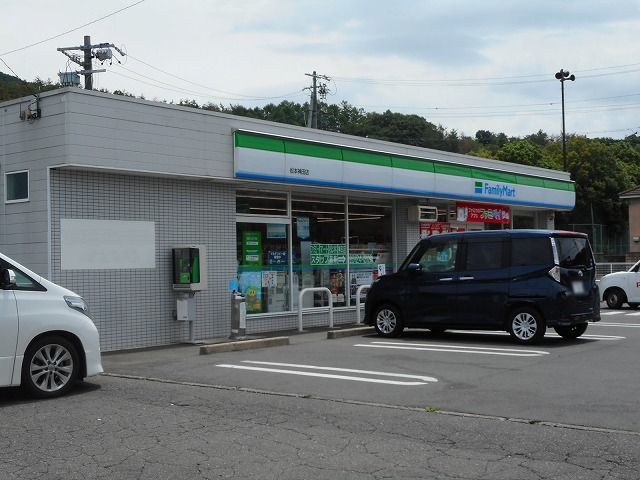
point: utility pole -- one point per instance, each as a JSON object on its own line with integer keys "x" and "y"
{"x": 102, "y": 53}
{"x": 564, "y": 76}
{"x": 312, "y": 121}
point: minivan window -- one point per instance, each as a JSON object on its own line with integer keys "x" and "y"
{"x": 439, "y": 257}
{"x": 574, "y": 252}
{"x": 483, "y": 254}
{"x": 531, "y": 251}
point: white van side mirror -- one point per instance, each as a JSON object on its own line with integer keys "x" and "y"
{"x": 8, "y": 279}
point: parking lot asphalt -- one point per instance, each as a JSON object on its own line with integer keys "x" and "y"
{"x": 589, "y": 383}
{"x": 461, "y": 406}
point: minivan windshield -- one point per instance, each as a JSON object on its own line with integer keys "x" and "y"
{"x": 574, "y": 252}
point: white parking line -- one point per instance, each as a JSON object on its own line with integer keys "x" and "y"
{"x": 591, "y": 337}
{"x": 423, "y": 380}
{"x": 455, "y": 349}
{"x": 609, "y": 312}
{"x": 609, "y": 324}
{"x": 634, "y": 314}
{"x": 549, "y": 334}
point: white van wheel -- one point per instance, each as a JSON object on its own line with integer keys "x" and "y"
{"x": 614, "y": 298}
{"x": 50, "y": 367}
{"x": 526, "y": 325}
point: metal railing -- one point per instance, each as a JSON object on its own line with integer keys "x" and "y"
{"x": 314, "y": 289}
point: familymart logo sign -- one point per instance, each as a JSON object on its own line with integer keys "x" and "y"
{"x": 499, "y": 190}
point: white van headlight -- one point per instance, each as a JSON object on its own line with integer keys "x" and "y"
{"x": 77, "y": 303}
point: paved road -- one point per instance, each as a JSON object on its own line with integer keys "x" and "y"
{"x": 568, "y": 413}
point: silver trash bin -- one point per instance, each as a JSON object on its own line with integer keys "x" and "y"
{"x": 238, "y": 316}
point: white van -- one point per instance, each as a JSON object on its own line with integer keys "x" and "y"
{"x": 47, "y": 339}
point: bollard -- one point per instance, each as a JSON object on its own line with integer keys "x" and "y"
{"x": 238, "y": 316}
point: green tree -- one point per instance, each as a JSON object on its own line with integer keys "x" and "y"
{"x": 521, "y": 151}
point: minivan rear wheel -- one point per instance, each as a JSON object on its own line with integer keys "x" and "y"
{"x": 572, "y": 332}
{"x": 614, "y": 298}
{"x": 526, "y": 325}
{"x": 388, "y": 322}
{"x": 50, "y": 367}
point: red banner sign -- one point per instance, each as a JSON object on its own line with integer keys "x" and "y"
{"x": 483, "y": 213}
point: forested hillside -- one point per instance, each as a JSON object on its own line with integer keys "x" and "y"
{"x": 601, "y": 167}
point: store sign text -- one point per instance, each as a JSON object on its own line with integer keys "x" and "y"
{"x": 480, "y": 213}
{"x": 499, "y": 190}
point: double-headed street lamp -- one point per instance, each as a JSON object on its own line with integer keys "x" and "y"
{"x": 562, "y": 76}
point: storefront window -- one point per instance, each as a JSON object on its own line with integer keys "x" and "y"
{"x": 263, "y": 266}
{"x": 262, "y": 236}
{"x": 319, "y": 249}
{"x": 370, "y": 253}
{"x": 261, "y": 203}
{"x": 271, "y": 275}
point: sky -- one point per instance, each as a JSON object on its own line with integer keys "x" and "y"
{"x": 464, "y": 65}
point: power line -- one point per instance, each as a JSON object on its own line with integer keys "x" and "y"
{"x": 73, "y": 29}
{"x": 183, "y": 91}
{"x": 474, "y": 82}
{"x": 242, "y": 96}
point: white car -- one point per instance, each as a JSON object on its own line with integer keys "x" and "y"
{"x": 47, "y": 340}
{"x": 621, "y": 287}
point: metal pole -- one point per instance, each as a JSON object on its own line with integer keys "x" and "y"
{"x": 564, "y": 140}
{"x": 88, "y": 80}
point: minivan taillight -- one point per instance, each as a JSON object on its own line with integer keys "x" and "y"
{"x": 555, "y": 273}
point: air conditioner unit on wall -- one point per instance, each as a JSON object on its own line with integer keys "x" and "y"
{"x": 423, "y": 213}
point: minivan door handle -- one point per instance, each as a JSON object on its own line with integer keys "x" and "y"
{"x": 466, "y": 278}
{"x": 446, "y": 279}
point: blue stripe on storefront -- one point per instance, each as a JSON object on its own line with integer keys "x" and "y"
{"x": 275, "y": 178}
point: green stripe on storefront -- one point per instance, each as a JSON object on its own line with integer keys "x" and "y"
{"x": 310, "y": 149}
{"x": 494, "y": 176}
{"x": 259, "y": 142}
{"x": 530, "y": 181}
{"x": 558, "y": 185}
{"x": 411, "y": 164}
{"x": 369, "y": 158}
{"x": 450, "y": 169}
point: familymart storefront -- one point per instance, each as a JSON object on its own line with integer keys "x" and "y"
{"x": 121, "y": 190}
{"x": 335, "y": 216}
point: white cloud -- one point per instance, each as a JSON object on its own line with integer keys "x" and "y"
{"x": 264, "y": 48}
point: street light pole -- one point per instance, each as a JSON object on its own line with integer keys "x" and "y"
{"x": 562, "y": 76}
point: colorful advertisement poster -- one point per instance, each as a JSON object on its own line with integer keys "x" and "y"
{"x": 277, "y": 257}
{"x": 483, "y": 213}
{"x": 302, "y": 227}
{"x": 251, "y": 285}
{"x": 323, "y": 254}
{"x": 428, "y": 229}
{"x": 251, "y": 248}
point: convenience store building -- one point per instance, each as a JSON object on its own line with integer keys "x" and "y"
{"x": 99, "y": 189}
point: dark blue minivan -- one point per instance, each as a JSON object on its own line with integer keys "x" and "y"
{"x": 521, "y": 281}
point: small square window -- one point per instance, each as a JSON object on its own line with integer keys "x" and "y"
{"x": 16, "y": 186}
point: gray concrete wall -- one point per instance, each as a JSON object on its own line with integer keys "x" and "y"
{"x": 29, "y": 145}
{"x": 134, "y": 307}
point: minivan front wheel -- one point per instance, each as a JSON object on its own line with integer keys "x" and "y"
{"x": 526, "y": 325}
{"x": 388, "y": 322}
{"x": 50, "y": 367}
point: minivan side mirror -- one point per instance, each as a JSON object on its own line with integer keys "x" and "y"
{"x": 8, "y": 278}
{"x": 414, "y": 268}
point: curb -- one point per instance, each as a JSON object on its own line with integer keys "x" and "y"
{"x": 348, "y": 332}
{"x": 243, "y": 345}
